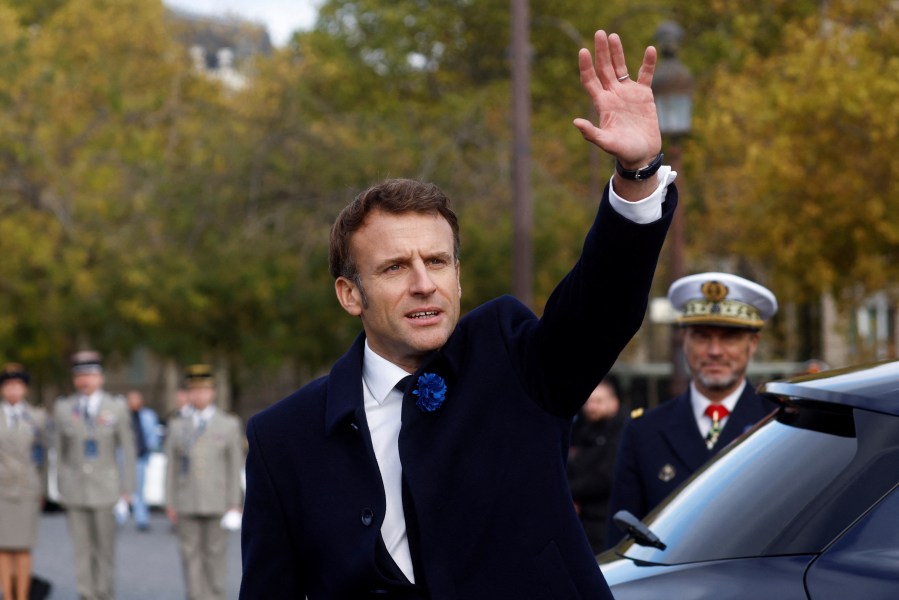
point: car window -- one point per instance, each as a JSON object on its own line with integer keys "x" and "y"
{"x": 790, "y": 487}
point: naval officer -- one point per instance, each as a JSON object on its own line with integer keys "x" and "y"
{"x": 722, "y": 316}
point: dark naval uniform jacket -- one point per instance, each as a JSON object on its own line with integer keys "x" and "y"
{"x": 486, "y": 502}
{"x": 663, "y": 447}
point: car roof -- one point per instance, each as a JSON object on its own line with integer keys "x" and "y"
{"x": 873, "y": 386}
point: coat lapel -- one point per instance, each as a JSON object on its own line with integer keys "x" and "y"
{"x": 682, "y": 435}
{"x": 749, "y": 410}
{"x": 344, "y": 398}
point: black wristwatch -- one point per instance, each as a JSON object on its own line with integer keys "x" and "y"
{"x": 642, "y": 173}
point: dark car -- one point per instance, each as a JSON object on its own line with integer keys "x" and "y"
{"x": 803, "y": 506}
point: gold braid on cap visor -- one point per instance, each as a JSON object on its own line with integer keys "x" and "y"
{"x": 726, "y": 312}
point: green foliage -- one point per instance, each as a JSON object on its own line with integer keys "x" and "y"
{"x": 33, "y": 12}
{"x": 143, "y": 205}
{"x": 799, "y": 149}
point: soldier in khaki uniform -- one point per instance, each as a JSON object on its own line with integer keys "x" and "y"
{"x": 22, "y": 480}
{"x": 95, "y": 470}
{"x": 204, "y": 452}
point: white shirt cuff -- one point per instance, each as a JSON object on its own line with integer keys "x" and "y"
{"x": 648, "y": 209}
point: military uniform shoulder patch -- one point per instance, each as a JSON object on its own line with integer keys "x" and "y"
{"x": 637, "y": 413}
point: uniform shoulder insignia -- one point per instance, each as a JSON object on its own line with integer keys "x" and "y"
{"x": 637, "y": 413}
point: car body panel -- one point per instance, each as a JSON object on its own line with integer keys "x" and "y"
{"x": 872, "y": 387}
{"x": 865, "y": 560}
{"x": 803, "y": 506}
{"x": 777, "y": 578}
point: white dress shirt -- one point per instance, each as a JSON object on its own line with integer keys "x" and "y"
{"x": 91, "y": 404}
{"x": 384, "y": 403}
{"x": 650, "y": 208}
{"x": 203, "y": 415}
{"x": 383, "y": 411}
{"x": 700, "y": 402}
{"x": 14, "y": 414}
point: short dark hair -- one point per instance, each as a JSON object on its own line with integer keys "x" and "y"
{"x": 612, "y": 381}
{"x": 394, "y": 196}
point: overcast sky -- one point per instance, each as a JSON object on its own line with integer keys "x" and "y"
{"x": 281, "y": 17}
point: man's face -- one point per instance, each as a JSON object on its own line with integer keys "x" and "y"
{"x": 718, "y": 356}
{"x": 135, "y": 400}
{"x": 88, "y": 383}
{"x": 13, "y": 390}
{"x": 408, "y": 291}
{"x": 201, "y": 396}
{"x": 602, "y": 403}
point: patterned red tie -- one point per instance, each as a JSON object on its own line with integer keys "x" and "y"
{"x": 716, "y": 412}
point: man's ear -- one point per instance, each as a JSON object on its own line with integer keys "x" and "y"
{"x": 349, "y": 296}
{"x": 754, "y": 342}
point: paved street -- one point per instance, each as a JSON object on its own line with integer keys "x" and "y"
{"x": 148, "y": 566}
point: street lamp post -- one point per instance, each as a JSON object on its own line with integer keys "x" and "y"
{"x": 672, "y": 87}
{"x": 523, "y": 217}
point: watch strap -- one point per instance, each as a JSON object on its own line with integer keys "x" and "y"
{"x": 641, "y": 173}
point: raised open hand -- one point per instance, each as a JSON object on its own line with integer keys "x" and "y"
{"x": 628, "y": 127}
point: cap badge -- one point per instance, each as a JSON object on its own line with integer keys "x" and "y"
{"x": 714, "y": 291}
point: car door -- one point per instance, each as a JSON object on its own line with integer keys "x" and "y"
{"x": 864, "y": 561}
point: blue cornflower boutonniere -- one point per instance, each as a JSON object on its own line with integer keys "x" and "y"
{"x": 431, "y": 392}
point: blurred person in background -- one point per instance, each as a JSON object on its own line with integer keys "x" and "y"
{"x": 182, "y": 409}
{"x": 722, "y": 316}
{"x": 145, "y": 424}
{"x": 591, "y": 459}
{"x": 813, "y": 366}
{"x": 204, "y": 452}
{"x": 22, "y": 480}
{"x": 94, "y": 442}
{"x": 182, "y": 406}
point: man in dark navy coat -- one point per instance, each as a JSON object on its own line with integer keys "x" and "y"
{"x": 722, "y": 315}
{"x": 430, "y": 461}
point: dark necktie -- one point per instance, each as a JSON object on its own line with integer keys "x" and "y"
{"x": 717, "y": 413}
{"x": 85, "y": 411}
{"x": 412, "y": 533}
{"x": 403, "y": 384}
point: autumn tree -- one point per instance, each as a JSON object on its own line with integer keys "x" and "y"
{"x": 143, "y": 205}
{"x": 796, "y": 149}
{"x": 82, "y": 132}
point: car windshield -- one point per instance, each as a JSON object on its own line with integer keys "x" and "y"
{"x": 771, "y": 493}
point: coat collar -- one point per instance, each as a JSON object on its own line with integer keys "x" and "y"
{"x": 344, "y": 383}
{"x": 344, "y": 386}
{"x": 746, "y": 413}
{"x": 683, "y": 435}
